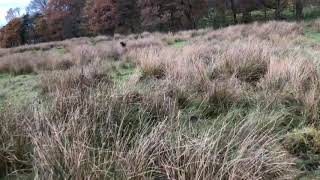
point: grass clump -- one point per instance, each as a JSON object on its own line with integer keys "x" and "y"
{"x": 150, "y": 62}
{"x": 303, "y": 141}
{"x": 315, "y": 25}
{"x": 293, "y": 83}
{"x": 305, "y": 144}
{"x": 16, "y": 149}
{"x": 246, "y": 61}
{"x": 75, "y": 79}
{"x": 30, "y": 63}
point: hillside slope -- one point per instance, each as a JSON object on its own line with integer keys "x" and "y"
{"x": 235, "y": 103}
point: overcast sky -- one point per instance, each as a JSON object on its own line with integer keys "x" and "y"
{"x": 7, "y": 4}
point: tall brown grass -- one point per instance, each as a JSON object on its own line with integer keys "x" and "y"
{"x": 316, "y": 25}
{"x": 15, "y": 144}
{"x": 247, "y": 61}
{"x": 103, "y": 136}
{"x": 292, "y": 80}
{"x": 214, "y": 108}
{"x": 28, "y": 62}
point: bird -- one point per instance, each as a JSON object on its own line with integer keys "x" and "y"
{"x": 123, "y": 44}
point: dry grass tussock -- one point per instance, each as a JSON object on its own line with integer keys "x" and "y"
{"x": 215, "y": 107}
{"x": 315, "y": 24}
{"x": 58, "y": 59}
{"x": 37, "y": 47}
{"x": 28, "y": 62}
{"x": 103, "y": 136}
{"x": 247, "y": 61}
{"x": 75, "y": 79}
{"x": 291, "y": 80}
{"x": 264, "y": 31}
{"x": 2, "y": 51}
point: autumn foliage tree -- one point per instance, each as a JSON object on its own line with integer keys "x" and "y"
{"x": 170, "y": 14}
{"x": 10, "y": 35}
{"x": 63, "y": 18}
{"x": 127, "y": 17}
{"x": 52, "y": 20}
{"x": 102, "y": 16}
{"x": 41, "y": 28}
{"x": 33, "y": 28}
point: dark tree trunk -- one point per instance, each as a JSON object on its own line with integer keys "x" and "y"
{"x": 223, "y": 14}
{"x": 299, "y": 9}
{"x": 246, "y": 16}
{"x": 278, "y": 10}
{"x": 234, "y": 11}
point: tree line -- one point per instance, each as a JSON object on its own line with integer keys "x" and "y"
{"x": 53, "y": 20}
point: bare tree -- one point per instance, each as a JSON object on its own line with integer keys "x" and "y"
{"x": 12, "y": 13}
{"x": 37, "y": 6}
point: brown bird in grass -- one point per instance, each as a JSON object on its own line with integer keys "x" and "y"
{"x": 123, "y": 44}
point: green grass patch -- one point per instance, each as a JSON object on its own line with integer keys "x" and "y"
{"x": 18, "y": 89}
{"x": 59, "y": 50}
{"x": 312, "y": 34}
{"x": 122, "y": 70}
{"x": 175, "y": 42}
{"x": 310, "y": 175}
{"x": 179, "y": 44}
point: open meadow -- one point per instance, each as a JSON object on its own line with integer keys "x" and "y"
{"x": 241, "y": 102}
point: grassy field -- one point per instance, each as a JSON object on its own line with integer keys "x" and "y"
{"x": 240, "y": 102}
{"x": 18, "y": 89}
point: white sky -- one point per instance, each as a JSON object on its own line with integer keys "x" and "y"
{"x": 5, "y": 5}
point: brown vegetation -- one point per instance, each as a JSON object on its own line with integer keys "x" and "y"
{"x": 56, "y": 20}
{"x": 316, "y": 25}
{"x": 215, "y": 107}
